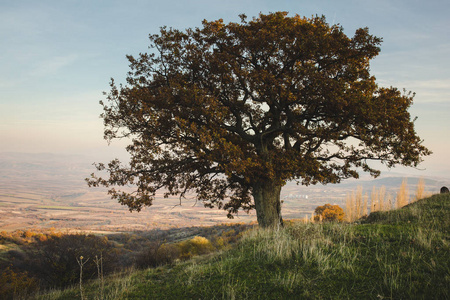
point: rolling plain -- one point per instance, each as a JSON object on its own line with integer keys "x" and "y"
{"x": 49, "y": 191}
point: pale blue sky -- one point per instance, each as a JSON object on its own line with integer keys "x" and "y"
{"x": 56, "y": 58}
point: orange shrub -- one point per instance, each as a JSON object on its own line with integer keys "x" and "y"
{"x": 329, "y": 212}
{"x": 29, "y": 234}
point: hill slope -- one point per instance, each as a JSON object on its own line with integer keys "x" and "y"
{"x": 400, "y": 254}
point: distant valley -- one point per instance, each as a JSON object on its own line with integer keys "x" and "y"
{"x": 48, "y": 190}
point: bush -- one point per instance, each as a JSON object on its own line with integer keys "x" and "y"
{"x": 198, "y": 245}
{"x": 15, "y": 284}
{"x": 149, "y": 256}
{"x": 54, "y": 261}
{"x": 168, "y": 253}
{"x": 329, "y": 212}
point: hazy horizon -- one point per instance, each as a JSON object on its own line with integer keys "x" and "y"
{"x": 48, "y": 191}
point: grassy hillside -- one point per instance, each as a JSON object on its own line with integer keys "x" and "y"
{"x": 401, "y": 254}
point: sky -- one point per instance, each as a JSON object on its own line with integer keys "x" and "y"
{"x": 57, "y": 57}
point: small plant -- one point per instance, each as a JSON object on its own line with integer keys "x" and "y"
{"x": 81, "y": 263}
{"x": 99, "y": 264}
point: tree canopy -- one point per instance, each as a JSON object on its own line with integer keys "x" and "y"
{"x": 233, "y": 111}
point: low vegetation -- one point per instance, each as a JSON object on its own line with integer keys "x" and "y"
{"x": 328, "y": 213}
{"x": 35, "y": 260}
{"x": 358, "y": 206}
{"x": 396, "y": 254}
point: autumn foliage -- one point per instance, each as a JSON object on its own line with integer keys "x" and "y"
{"x": 329, "y": 212}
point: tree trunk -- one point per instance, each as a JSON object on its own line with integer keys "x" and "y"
{"x": 268, "y": 205}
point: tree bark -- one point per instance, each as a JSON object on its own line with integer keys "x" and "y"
{"x": 267, "y": 203}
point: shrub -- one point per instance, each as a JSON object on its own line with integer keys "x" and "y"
{"x": 149, "y": 256}
{"x": 15, "y": 284}
{"x": 168, "y": 253}
{"x": 198, "y": 245}
{"x": 54, "y": 261}
{"x": 329, "y": 212}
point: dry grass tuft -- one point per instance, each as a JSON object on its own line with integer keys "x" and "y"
{"x": 402, "y": 195}
{"x": 358, "y": 206}
{"x": 420, "y": 191}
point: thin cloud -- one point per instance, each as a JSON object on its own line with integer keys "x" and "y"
{"x": 434, "y": 84}
{"x": 53, "y": 65}
{"x": 427, "y": 91}
{"x": 41, "y": 69}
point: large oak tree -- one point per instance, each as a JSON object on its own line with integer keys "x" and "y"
{"x": 233, "y": 111}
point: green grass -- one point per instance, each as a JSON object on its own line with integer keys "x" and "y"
{"x": 400, "y": 254}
